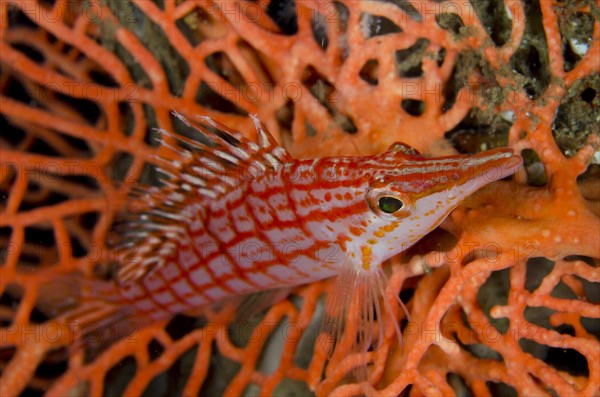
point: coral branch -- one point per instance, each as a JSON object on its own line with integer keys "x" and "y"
{"x": 503, "y": 296}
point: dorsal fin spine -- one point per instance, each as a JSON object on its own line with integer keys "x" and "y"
{"x": 207, "y": 192}
{"x": 272, "y": 160}
{"x": 260, "y": 165}
{"x": 193, "y": 180}
{"x": 200, "y": 170}
{"x": 265, "y": 140}
{"x": 241, "y": 153}
{"x": 226, "y": 156}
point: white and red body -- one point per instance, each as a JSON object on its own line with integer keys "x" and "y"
{"x": 266, "y": 221}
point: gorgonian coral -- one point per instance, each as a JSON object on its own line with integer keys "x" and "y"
{"x": 502, "y": 298}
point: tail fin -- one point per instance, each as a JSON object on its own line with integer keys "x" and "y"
{"x": 92, "y": 310}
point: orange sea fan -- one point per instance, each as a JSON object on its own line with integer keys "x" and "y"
{"x": 503, "y": 299}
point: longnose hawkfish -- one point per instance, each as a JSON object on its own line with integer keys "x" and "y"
{"x": 232, "y": 217}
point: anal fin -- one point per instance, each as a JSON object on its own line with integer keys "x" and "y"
{"x": 248, "y": 305}
{"x": 92, "y": 309}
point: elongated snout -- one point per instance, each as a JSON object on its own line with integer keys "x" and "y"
{"x": 460, "y": 174}
{"x": 486, "y": 167}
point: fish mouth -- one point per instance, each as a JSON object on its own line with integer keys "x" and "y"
{"x": 486, "y": 167}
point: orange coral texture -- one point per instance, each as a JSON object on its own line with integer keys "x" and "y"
{"x": 63, "y": 164}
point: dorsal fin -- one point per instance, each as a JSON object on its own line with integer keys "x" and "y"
{"x": 200, "y": 171}
{"x": 230, "y": 147}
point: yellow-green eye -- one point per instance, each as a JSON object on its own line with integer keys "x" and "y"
{"x": 389, "y": 204}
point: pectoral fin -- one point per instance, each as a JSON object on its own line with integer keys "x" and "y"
{"x": 355, "y": 313}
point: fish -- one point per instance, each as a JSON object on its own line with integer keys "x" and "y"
{"x": 232, "y": 217}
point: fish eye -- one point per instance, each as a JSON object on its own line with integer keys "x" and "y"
{"x": 389, "y": 204}
{"x": 387, "y": 201}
